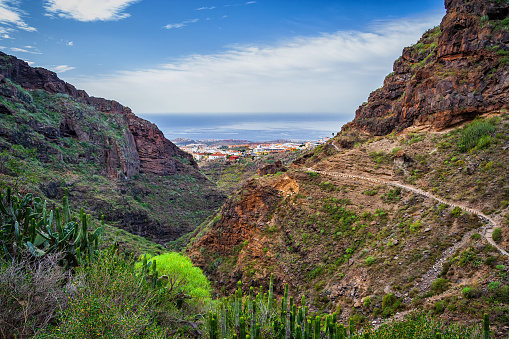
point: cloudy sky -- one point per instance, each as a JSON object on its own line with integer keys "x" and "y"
{"x": 228, "y": 56}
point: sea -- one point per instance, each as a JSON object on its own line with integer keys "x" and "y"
{"x": 249, "y": 126}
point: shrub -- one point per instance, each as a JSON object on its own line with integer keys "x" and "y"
{"x": 390, "y": 305}
{"x": 470, "y": 292}
{"x": 182, "y": 276}
{"x": 456, "y": 212}
{"x": 112, "y": 301}
{"x": 439, "y": 286}
{"x": 23, "y": 287}
{"x": 490, "y": 261}
{"x": 493, "y": 285}
{"x": 476, "y": 134}
{"x": 370, "y": 261}
{"x": 497, "y": 234}
{"x": 476, "y": 236}
{"x": 468, "y": 257}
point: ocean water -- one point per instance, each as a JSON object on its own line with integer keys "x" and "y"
{"x": 251, "y": 127}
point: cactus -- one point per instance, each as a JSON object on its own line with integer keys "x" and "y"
{"x": 316, "y": 333}
{"x": 26, "y": 223}
{"x": 293, "y": 311}
{"x": 242, "y": 331}
{"x": 486, "y": 327}
{"x": 213, "y": 330}
{"x": 351, "y": 328}
{"x": 271, "y": 294}
{"x": 341, "y": 332}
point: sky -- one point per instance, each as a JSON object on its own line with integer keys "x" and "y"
{"x": 218, "y": 56}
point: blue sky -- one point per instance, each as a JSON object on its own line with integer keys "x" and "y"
{"x": 228, "y": 56}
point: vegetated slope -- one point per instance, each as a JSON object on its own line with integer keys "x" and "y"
{"x": 369, "y": 250}
{"x": 229, "y": 176}
{"x": 53, "y": 136}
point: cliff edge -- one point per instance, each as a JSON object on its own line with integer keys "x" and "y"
{"x": 455, "y": 72}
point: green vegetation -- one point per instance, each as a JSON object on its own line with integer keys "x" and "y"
{"x": 26, "y": 224}
{"x": 87, "y": 292}
{"x": 262, "y": 316}
{"x": 456, "y": 212}
{"x": 477, "y": 134}
{"x": 497, "y": 234}
{"x": 183, "y": 278}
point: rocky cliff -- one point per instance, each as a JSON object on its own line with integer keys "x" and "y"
{"x": 456, "y": 72}
{"x": 55, "y": 136}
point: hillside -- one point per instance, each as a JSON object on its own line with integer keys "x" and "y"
{"x": 53, "y": 137}
{"x": 406, "y": 208}
{"x": 229, "y": 176}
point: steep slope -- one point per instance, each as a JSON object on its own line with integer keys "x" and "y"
{"x": 456, "y": 72}
{"x": 368, "y": 226}
{"x": 53, "y": 136}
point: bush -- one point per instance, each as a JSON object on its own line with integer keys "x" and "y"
{"x": 111, "y": 301}
{"x": 470, "y": 292}
{"x": 476, "y": 134}
{"x": 456, "y": 212}
{"x": 390, "y": 305}
{"x": 182, "y": 276}
{"x": 439, "y": 286}
{"x": 30, "y": 296}
{"x": 497, "y": 234}
{"x": 370, "y": 261}
{"x": 493, "y": 285}
{"x": 490, "y": 261}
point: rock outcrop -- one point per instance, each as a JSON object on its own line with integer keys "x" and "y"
{"x": 456, "y": 72}
{"x": 271, "y": 169}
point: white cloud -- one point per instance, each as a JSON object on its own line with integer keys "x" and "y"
{"x": 250, "y": 2}
{"x": 89, "y": 10}
{"x": 10, "y": 14}
{"x": 27, "y": 49}
{"x": 61, "y": 68}
{"x": 204, "y": 8}
{"x": 327, "y": 73}
{"x": 181, "y": 24}
{"x": 70, "y": 43}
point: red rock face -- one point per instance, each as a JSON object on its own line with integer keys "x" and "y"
{"x": 143, "y": 147}
{"x": 454, "y": 73}
{"x": 157, "y": 154}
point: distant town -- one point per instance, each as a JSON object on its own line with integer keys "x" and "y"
{"x": 232, "y": 150}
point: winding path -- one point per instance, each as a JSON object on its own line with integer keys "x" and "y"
{"x": 435, "y": 270}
